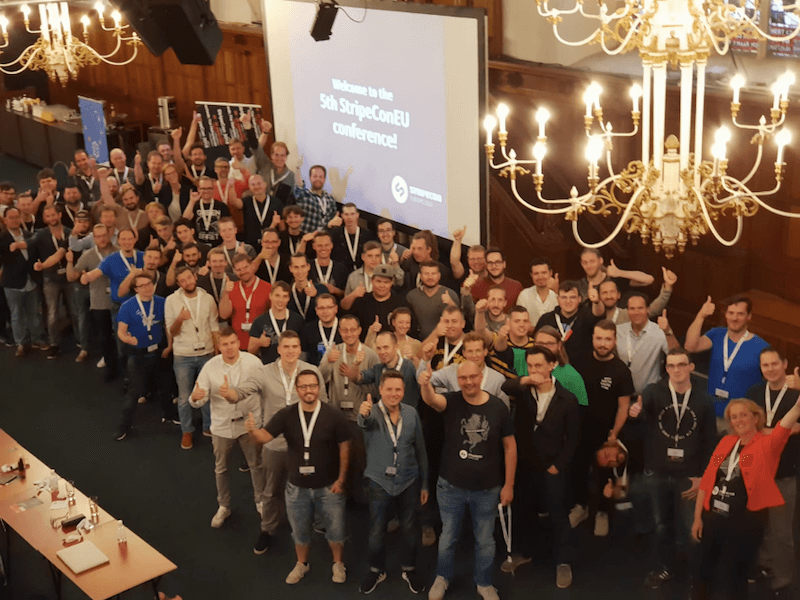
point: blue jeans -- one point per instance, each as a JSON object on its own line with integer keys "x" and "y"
{"x": 301, "y": 503}
{"x": 53, "y": 291}
{"x": 79, "y": 295}
{"x": 673, "y": 515}
{"x": 187, "y": 368}
{"x": 381, "y": 506}
{"x": 26, "y": 321}
{"x": 483, "y": 509}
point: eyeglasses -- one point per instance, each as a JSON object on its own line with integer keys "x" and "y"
{"x": 205, "y": 189}
{"x": 677, "y": 366}
{"x": 493, "y": 263}
{"x": 309, "y": 386}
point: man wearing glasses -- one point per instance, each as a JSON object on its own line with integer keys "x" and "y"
{"x": 140, "y": 326}
{"x": 496, "y": 270}
{"x": 206, "y": 212}
{"x": 681, "y": 436}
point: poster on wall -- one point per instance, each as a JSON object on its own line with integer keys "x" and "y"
{"x": 220, "y": 122}
{"x": 94, "y": 128}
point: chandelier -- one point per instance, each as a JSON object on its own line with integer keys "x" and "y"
{"x": 57, "y": 51}
{"x": 672, "y": 196}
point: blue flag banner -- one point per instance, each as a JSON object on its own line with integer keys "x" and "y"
{"x": 94, "y": 128}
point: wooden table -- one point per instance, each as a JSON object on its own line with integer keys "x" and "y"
{"x": 131, "y": 564}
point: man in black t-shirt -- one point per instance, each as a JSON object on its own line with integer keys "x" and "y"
{"x": 378, "y": 303}
{"x": 318, "y": 440}
{"x": 479, "y": 440}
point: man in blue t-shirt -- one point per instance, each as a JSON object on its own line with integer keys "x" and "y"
{"x": 140, "y": 326}
{"x": 734, "y": 364}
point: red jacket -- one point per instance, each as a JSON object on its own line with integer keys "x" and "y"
{"x": 758, "y": 465}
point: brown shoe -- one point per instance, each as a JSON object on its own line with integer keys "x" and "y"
{"x": 82, "y": 356}
{"x": 20, "y": 350}
{"x": 186, "y": 441}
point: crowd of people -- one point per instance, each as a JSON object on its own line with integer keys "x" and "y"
{"x": 249, "y": 303}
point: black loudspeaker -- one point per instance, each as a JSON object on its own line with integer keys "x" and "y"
{"x": 191, "y": 29}
{"x": 321, "y": 29}
{"x": 137, "y": 14}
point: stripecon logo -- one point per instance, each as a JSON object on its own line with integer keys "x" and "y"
{"x": 399, "y": 189}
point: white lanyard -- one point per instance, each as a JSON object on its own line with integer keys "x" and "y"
{"x": 71, "y": 214}
{"x": 56, "y": 240}
{"x": 194, "y": 172}
{"x": 272, "y": 272}
{"x": 223, "y": 196}
{"x": 614, "y": 317}
{"x": 214, "y": 286}
{"x": 89, "y": 181}
{"x": 248, "y": 299}
{"x": 771, "y": 410}
{"x": 367, "y": 282}
{"x": 328, "y": 341}
{"x": 727, "y": 361}
{"x": 125, "y": 260}
{"x": 147, "y": 321}
{"x": 273, "y": 181}
{"x": 227, "y": 254}
{"x": 449, "y": 354}
{"x": 632, "y": 346}
{"x": 384, "y": 254}
{"x": 344, "y": 360}
{"x": 308, "y": 430}
{"x": 206, "y": 215}
{"x": 195, "y": 319}
{"x": 303, "y": 310}
{"x": 153, "y": 181}
{"x": 323, "y": 278}
{"x": 322, "y": 203}
{"x": 274, "y": 321}
{"x": 135, "y": 224}
{"x": 292, "y": 246}
{"x": 390, "y": 429}
{"x": 563, "y": 328}
{"x": 121, "y": 179}
{"x": 288, "y": 386}
{"x": 352, "y": 248}
{"x": 624, "y": 478}
{"x": 25, "y": 227}
{"x": 399, "y": 364}
{"x": 506, "y": 528}
{"x": 679, "y": 413}
{"x": 261, "y": 215}
{"x": 733, "y": 460}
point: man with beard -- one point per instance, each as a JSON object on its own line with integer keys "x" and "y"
{"x": 72, "y": 202}
{"x": 349, "y": 239}
{"x": 324, "y": 270}
{"x": 496, "y": 270}
{"x": 318, "y": 205}
{"x": 428, "y": 301}
{"x": 259, "y": 210}
{"x": 206, "y": 212}
{"x": 268, "y": 327}
{"x": 539, "y": 298}
{"x": 380, "y": 302}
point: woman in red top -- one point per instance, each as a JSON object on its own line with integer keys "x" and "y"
{"x": 735, "y": 491}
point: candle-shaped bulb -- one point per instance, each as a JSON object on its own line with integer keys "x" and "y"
{"x": 539, "y": 151}
{"x": 587, "y": 100}
{"x": 594, "y": 149}
{"x": 512, "y": 154}
{"x": 776, "y": 94}
{"x": 782, "y": 139}
{"x": 737, "y": 83}
{"x": 502, "y": 113}
{"x": 99, "y": 8}
{"x": 4, "y": 24}
{"x": 636, "y": 93}
{"x": 723, "y": 135}
{"x": 117, "y": 18}
{"x": 718, "y": 150}
{"x": 489, "y": 123}
{"x": 85, "y": 22}
{"x": 26, "y": 11}
{"x": 542, "y": 115}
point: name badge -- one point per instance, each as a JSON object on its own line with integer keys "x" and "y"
{"x": 321, "y": 348}
{"x": 152, "y": 347}
{"x": 625, "y": 506}
{"x": 675, "y": 453}
{"x": 391, "y": 471}
{"x": 108, "y": 290}
{"x": 246, "y": 326}
{"x": 199, "y": 346}
{"x": 346, "y": 405}
{"x": 720, "y": 507}
{"x": 721, "y": 394}
{"x": 62, "y": 271}
{"x": 307, "y": 470}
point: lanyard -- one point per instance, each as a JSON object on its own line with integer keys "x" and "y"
{"x": 345, "y": 361}
{"x": 564, "y": 328}
{"x": 273, "y": 182}
{"x": 631, "y": 346}
{"x": 56, "y": 240}
{"x": 223, "y": 196}
{"x": 624, "y": 478}
{"x": 275, "y": 327}
{"x": 613, "y": 318}
{"x": 248, "y": 299}
{"x": 125, "y": 260}
{"x": 25, "y": 227}
{"x": 288, "y": 386}
{"x": 227, "y": 254}
{"x": 121, "y": 179}
{"x": 384, "y": 254}
{"x": 449, "y": 354}
{"x": 135, "y": 224}
{"x": 206, "y": 215}
{"x": 308, "y": 430}
{"x": 89, "y": 181}
{"x": 292, "y": 245}
{"x": 506, "y": 528}
{"x": 679, "y": 412}
{"x": 272, "y": 272}
{"x": 727, "y": 361}
{"x": 352, "y": 248}
{"x": 390, "y": 429}
{"x": 323, "y": 278}
{"x": 303, "y": 310}
{"x": 147, "y": 320}
{"x": 195, "y": 319}
{"x": 153, "y": 182}
{"x": 367, "y": 282}
{"x": 733, "y": 460}
{"x": 771, "y": 410}
{"x": 194, "y": 171}
{"x": 214, "y": 285}
{"x": 328, "y": 341}
{"x": 261, "y": 215}
{"x": 71, "y": 214}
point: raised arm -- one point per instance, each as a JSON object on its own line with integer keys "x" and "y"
{"x": 192, "y": 135}
{"x": 455, "y": 253}
{"x": 180, "y": 165}
{"x": 262, "y": 436}
{"x": 436, "y": 401}
{"x": 695, "y": 340}
{"x": 637, "y": 278}
{"x": 661, "y": 301}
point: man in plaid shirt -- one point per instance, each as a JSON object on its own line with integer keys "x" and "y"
{"x": 319, "y": 205}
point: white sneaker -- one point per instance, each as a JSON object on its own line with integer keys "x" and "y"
{"x": 488, "y": 592}
{"x": 297, "y": 573}
{"x": 101, "y": 363}
{"x": 339, "y": 573}
{"x": 578, "y": 515}
{"x": 601, "y": 524}
{"x": 438, "y": 588}
{"x": 219, "y": 518}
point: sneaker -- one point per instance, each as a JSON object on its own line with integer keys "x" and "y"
{"x": 101, "y": 363}
{"x": 339, "y": 573}
{"x": 174, "y": 421}
{"x": 563, "y": 576}
{"x": 207, "y": 432}
{"x": 438, "y": 588}
{"x": 601, "y": 524}
{"x": 243, "y": 468}
{"x": 517, "y": 560}
{"x": 186, "y": 441}
{"x": 415, "y": 582}
{"x": 488, "y": 592}
{"x": 297, "y": 573}
{"x": 82, "y": 356}
{"x": 656, "y": 578}
{"x": 120, "y": 435}
{"x": 371, "y": 581}
{"x": 219, "y": 518}
{"x": 428, "y": 536}
{"x": 53, "y": 352}
{"x": 262, "y": 543}
{"x": 20, "y": 351}
{"x": 578, "y": 515}
{"x": 41, "y": 346}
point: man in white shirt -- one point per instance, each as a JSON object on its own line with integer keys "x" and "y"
{"x": 214, "y": 384}
{"x": 539, "y": 298}
{"x": 192, "y": 328}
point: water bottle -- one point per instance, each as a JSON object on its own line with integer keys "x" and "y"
{"x": 52, "y": 483}
{"x": 122, "y": 534}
